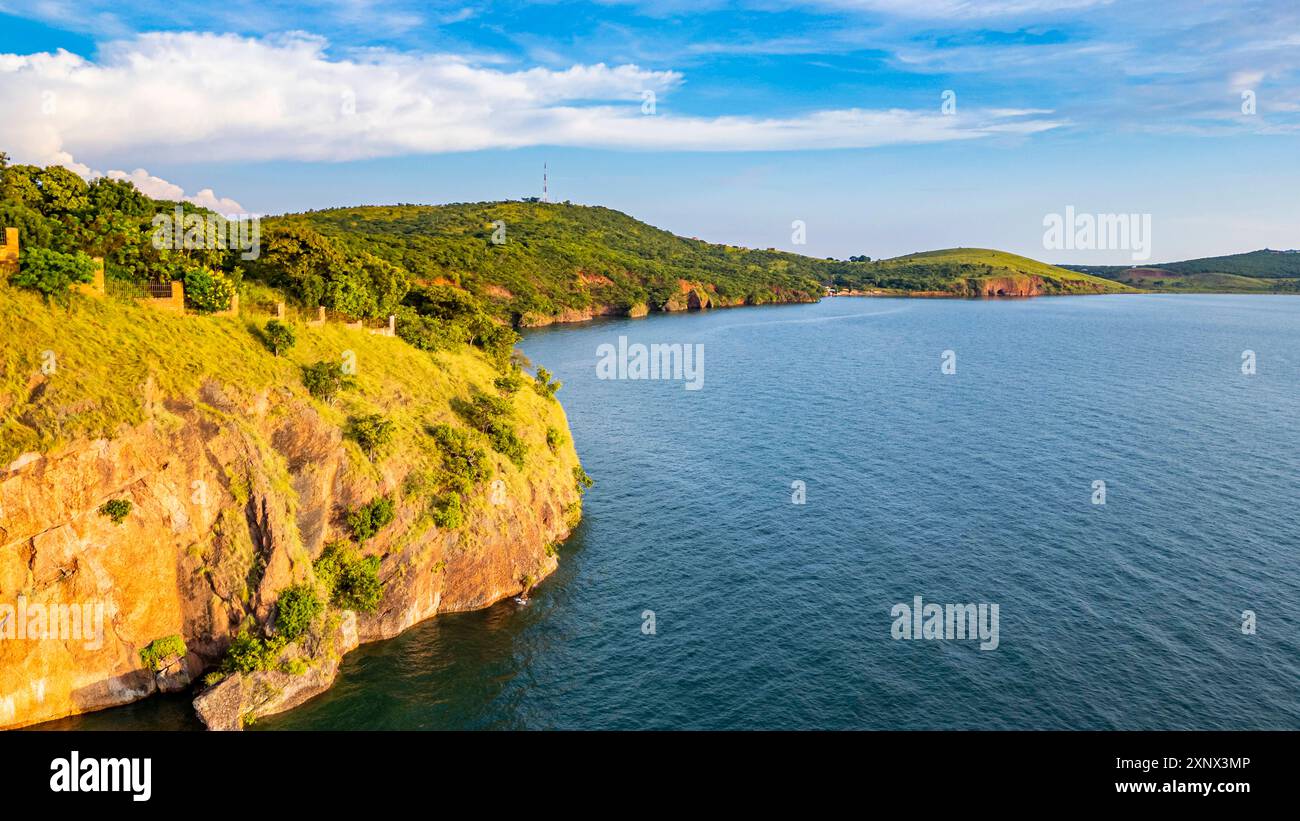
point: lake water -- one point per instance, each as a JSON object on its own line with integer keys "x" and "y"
{"x": 971, "y": 487}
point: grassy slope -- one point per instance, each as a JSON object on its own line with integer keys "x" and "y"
{"x": 1233, "y": 273}
{"x": 1162, "y": 280}
{"x": 1255, "y": 264}
{"x": 106, "y": 351}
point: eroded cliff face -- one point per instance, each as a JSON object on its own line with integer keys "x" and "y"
{"x": 1011, "y": 285}
{"x": 1020, "y": 285}
{"x": 1007, "y": 286}
{"x": 233, "y": 496}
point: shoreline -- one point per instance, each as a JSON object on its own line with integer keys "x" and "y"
{"x": 612, "y": 316}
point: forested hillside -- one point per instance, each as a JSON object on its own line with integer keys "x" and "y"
{"x": 532, "y": 260}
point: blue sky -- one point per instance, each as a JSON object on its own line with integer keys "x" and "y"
{"x": 764, "y": 112}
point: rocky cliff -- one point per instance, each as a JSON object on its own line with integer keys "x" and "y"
{"x": 234, "y": 491}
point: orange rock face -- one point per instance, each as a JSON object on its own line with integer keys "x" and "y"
{"x": 231, "y": 500}
{"x": 1009, "y": 286}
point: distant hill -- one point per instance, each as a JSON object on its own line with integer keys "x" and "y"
{"x": 1256, "y": 271}
{"x": 538, "y": 262}
{"x": 968, "y": 272}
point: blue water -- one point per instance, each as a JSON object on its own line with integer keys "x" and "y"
{"x": 975, "y": 487}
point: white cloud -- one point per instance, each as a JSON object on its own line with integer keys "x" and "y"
{"x": 205, "y": 97}
{"x": 949, "y": 9}
{"x": 161, "y": 189}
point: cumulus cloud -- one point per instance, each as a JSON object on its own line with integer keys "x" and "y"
{"x": 189, "y": 96}
{"x": 948, "y": 9}
{"x": 161, "y": 189}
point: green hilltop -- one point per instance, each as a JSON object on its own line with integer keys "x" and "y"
{"x": 972, "y": 271}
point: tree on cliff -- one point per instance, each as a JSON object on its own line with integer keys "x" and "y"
{"x": 279, "y": 336}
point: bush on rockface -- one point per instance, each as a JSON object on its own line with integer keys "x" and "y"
{"x": 581, "y": 479}
{"x": 554, "y": 439}
{"x": 373, "y": 432}
{"x": 366, "y": 521}
{"x": 466, "y": 462}
{"x": 447, "y": 512}
{"x": 296, "y": 609}
{"x": 116, "y": 509}
{"x": 352, "y": 581}
{"x": 492, "y": 415}
{"x": 250, "y": 654}
{"x": 160, "y": 650}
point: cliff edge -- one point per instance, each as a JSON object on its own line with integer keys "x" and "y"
{"x": 165, "y": 480}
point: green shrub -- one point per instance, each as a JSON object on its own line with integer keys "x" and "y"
{"x": 367, "y": 520}
{"x": 330, "y": 564}
{"x": 160, "y": 650}
{"x": 208, "y": 291}
{"x": 429, "y": 333}
{"x": 483, "y": 411}
{"x": 460, "y": 456}
{"x": 352, "y": 581}
{"x": 554, "y": 439}
{"x": 506, "y": 442}
{"x": 492, "y": 415}
{"x": 116, "y": 509}
{"x": 53, "y": 273}
{"x": 325, "y": 379}
{"x": 447, "y": 512}
{"x": 573, "y": 514}
{"x": 544, "y": 385}
{"x": 214, "y": 678}
{"x": 249, "y": 654}
{"x": 509, "y": 383}
{"x": 278, "y": 336}
{"x": 295, "y": 611}
{"x": 372, "y": 432}
{"x": 293, "y": 666}
{"x": 581, "y": 478}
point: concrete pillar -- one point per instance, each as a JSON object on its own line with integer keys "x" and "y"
{"x": 95, "y": 287}
{"x": 9, "y": 253}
